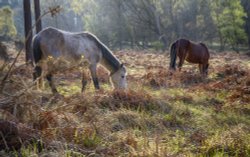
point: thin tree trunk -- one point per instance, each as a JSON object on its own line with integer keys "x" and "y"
{"x": 221, "y": 42}
{"x": 120, "y": 25}
{"x": 37, "y": 15}
{"x": 248, "y": 30}
{"x": 28, "y": 27}
{"x": 133, "y": 37}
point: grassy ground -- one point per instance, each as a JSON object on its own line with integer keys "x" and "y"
{"x": 160, "y": 115}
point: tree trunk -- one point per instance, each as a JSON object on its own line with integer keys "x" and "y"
{"x": 222, "y": 45}
{"x": 37, "y": 15}
{"x": 120, "y": 35}
{"x": 28, "y": 27}
{"x": 159, "y": 31}
{"x": 133, "y": 37}
{"x": 248, "y": 27}
{"x": 173, "y": 19}
{"x": 248, "y": 37}
{"x": 246, "y": 6}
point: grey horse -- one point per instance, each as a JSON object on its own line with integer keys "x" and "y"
{"x": 56, "y": 50}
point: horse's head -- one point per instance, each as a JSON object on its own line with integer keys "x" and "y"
{"x": 118, "y": 79}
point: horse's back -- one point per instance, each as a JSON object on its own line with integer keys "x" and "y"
{"x": 59, "y": 43}
{"x": 61, "y": 50}
{"x": 193, "y": 52}
{"x": 57, "y": 40}
{"x": 198, "y": 53}
{"x": 51, "y": 42}
{"x": 183, "y": 43}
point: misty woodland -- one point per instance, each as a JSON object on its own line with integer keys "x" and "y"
{"x": 124, "y": 78}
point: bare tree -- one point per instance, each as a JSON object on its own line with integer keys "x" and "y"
{"x": 146, "y": 14}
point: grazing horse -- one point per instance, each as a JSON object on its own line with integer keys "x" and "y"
{"x": 56, "y": 50}
{"x": 191, "y": 52}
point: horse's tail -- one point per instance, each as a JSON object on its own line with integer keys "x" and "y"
{"x": 37, "y": 52}
{"x": 173, "y": 55}
{"x": 36, "y": 56}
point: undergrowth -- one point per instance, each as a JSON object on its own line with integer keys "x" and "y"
{"x": 161, "y": 114}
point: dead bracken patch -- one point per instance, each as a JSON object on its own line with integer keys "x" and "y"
{"x": 228, "y": 70}
{"x": 236, "y": 79}
{"x": 156, "y": 78}
{"x": 190, "y": 78}
{"x": 137, "y": 100}
{"x": 14, "y": 135}
{"x": 161, "y": 77}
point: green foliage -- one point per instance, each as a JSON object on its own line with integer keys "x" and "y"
{"x": 229, "y": 18}
{"x": 7, "y": 27}
{"x": 232, "y": 23}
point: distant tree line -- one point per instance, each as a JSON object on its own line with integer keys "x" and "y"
{"x": 146, "y": 23}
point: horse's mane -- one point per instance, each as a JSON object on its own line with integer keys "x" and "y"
{"x": 106, "y": 52}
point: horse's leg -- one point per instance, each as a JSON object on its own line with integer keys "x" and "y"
{"x": 37, "y": 74}
{"x": 94, "y": 76}
{"x": 201, "y": 68}
{"x": 181, "y": 61}
{"x": 84, "y": 80}
{"x": 51, "y": 83}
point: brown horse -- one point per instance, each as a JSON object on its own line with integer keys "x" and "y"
{"x": 192, "y": 52}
